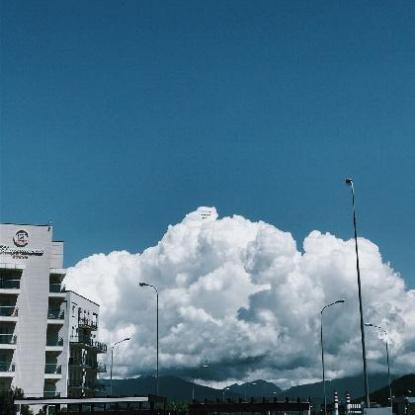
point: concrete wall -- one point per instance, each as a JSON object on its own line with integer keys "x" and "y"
{"x": 32, "y": 302}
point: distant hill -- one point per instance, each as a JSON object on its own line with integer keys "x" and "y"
{"x": 257, "y": 388}
{"x": 353, "y": 384}
{"x": 403, "y": 386}
{"x": 175, "y": 388}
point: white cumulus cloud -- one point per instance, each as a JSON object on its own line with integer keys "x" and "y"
{"x": 243, "y": 296}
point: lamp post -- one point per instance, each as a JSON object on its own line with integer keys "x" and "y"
{"x": 144, "y": 284}
{"x": 112, "y": 358}
{"x": 387, "y": 356}
{"x": 204, "y": 366}
{"x": 322, "y": 349}
{"x": 349, "y": 182}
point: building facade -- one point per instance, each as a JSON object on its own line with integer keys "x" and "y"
{"x": 48, "y": 343}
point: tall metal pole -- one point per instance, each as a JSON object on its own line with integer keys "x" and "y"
{"x": 362, "y": 327}
{"x": 157, "y": 329}
{"x": 389, "y": 371}
{"x": 112, "y": 358}
{"x": 387, "y": 356}
{"x": 322, "y": 362}
{"x": 144, "y": 284}
{"x": 112, "y": 361}
{"x": 322, "y": 350}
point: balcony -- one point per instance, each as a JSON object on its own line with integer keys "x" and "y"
{"x": 53, "y": 371}
{"x": 54, "y": 341}
{"x": 87, "y": 323}
{"x": 54, "y": 344}
{"x": 51, "y": 394}
{"x": 8, "y": 338}
{"x": 53, "y": 368}
{"x": 7, "y": 367}
{"x": 98, "y": 346}
{"x": 93, "y": 366}
{"x": 8, "y": 313}
{"x": 55, "y": 314}
{"x": 55, "y": 287}
{"x": 88, "y": 385}
{"x": 56, "y": 290}
{"x": 101, "y": 367}
{"x": 9, "y": 284}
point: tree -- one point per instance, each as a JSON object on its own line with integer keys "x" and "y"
{"x": 7, "y": 399}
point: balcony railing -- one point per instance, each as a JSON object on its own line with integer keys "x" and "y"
{"x": 54, "y": 341}
{"x": 100, "y": 347}
{"x": 56, "y": 314}
{"x": 56, "y": 288}
{"x": 87, "y": 385}
{"x": 53, "y": 368}
{"x": 51, "y": 394}
{"x": 9, "y": 311}
{"x": 8, "y": 338}
{"x": 7, "y": 367}
{"x": 95, "y": 366}
{"x": 101, "y": 367}
{"x": 87, "y": 323}
{"x": 9, "y": 284}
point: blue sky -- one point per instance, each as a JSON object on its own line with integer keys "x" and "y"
{"x": 119, "y": 117}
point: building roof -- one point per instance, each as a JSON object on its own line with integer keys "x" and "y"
{"x": 26, "y": 224}
{"x": 80, "y": 295}
{"x": 78, "y": 401}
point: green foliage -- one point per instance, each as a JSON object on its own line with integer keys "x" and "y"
{"x": 177, "y": 407}
{"x": 7, "y": 398}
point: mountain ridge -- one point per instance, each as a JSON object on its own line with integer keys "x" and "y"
{"x": 176, "y": 388}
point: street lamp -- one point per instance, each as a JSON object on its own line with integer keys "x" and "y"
{"x": 204, "y": 366}
{"x": 387, "y": 356}
{"x": 112, "y": 358}
{"x": 322, "y": 349}
{"x": 144, "y": 284}
{"x": 349, "y": 182}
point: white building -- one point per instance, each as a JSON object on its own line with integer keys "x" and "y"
{"x": 48, "y": 343}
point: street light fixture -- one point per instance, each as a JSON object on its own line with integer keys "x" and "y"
{"x": 322, "y": 349}
{"x": 112, "y": 358}
{"x": 349, "y": 182}
{"x": 204, "y": 366}
{"x": 387, "y": 355}
{"x": 144, "y": 284}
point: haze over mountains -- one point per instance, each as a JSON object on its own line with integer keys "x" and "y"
{"x": 175, "y": 388}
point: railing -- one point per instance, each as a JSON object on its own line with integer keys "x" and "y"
{"x": 9, "y": 283}
{"x": 88, "y": 323}
{"x": 56, "y": 314}
{"x": 9, "y": 311}
{"x": 100, "y": 347}
{"x": 91, "y": 386}
{"x": 51, "y": 394}
{"x": 53, "y": 368}
{"x": 101, "y": 368}
{"x": 7, "y": 367}
{"x": 56, "y": 288}
{"x": 8, "y": 338}
{"x": 54, "y": 341}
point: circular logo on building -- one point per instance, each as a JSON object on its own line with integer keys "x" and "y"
{"x": 21, "y": 238}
